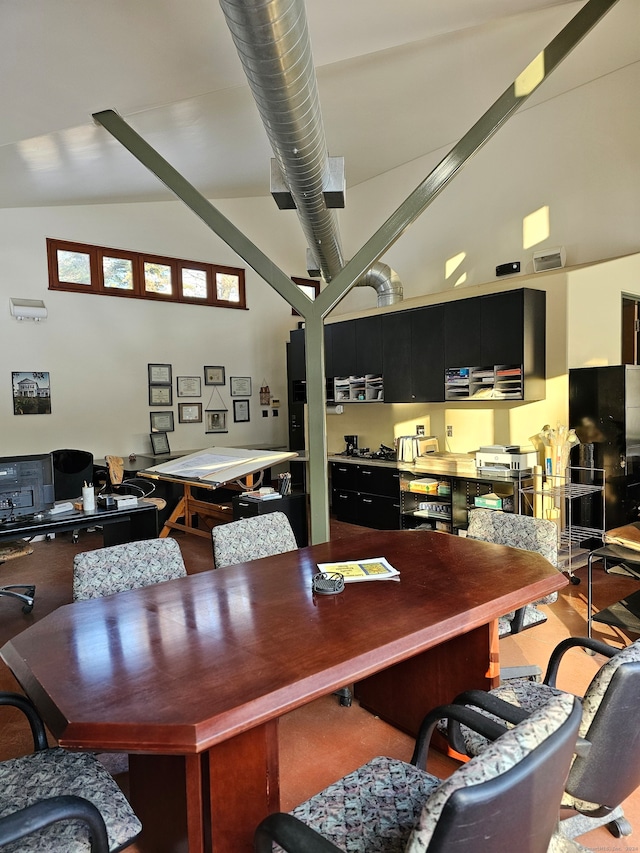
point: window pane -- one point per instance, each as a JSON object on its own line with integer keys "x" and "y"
{"x": 228, "y": 287}
{"x": 157, "y": 278}
{"x": 74, "y": 267}
{"x": 194, "y": 283}
{"x": 118, "y": 272}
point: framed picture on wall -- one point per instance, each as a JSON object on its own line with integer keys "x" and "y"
{"x": 159, "y": 374}
{"x": 161, "y": 421}
{"x": 189, "y": 386}
{"x": 240, "y": 386}
{"x": 216, "y": 421}
{"x": 240, "y": 411}
{"x": 214, "y": 375}
{"x": 189, "y": 413}
{"x": 160, "y": 395}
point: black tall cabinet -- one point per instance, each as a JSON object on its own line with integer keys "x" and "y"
{"x": 604, "y": 409}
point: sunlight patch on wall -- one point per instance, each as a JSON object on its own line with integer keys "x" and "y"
{"x": 535, "y": 227}
{"x": 452, "y": 265}
{"x": 530, "y": 78}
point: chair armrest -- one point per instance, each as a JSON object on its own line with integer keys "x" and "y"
{"x": 16, "y": 700}
{"x": 454, "y": 714}
{"x": 571, "y": 643}
{"x": 22, "y": 823}
{"x": 291, "y": 834}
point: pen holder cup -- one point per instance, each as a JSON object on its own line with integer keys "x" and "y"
{"x": 88, "y": 499}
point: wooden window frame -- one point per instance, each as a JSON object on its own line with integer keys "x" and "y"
{"x": 138, "y": 259}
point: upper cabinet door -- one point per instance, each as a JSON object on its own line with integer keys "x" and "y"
{"x": 427, "y": 354}
{"x": 368, "y": 345}
{"x": 462, "y": 333}
{"x": 396, "y": 357}
{"x": 343, "y": 348}
{"x": 502, "y": 328}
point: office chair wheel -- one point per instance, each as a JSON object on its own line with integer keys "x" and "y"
{"x": 574, "y": 580}
{"x": 74, "y": 537}
{"x": 27, "y": 608}
{"x": 620, "y": 827}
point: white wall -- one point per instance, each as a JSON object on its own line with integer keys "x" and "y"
{"x": 96, "y": 348}
{"x": 575, "y": 153}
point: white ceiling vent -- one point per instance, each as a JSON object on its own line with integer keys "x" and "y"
{"x": 549, "y": 259}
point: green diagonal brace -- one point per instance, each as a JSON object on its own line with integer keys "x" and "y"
{"x": 415, "y": 204}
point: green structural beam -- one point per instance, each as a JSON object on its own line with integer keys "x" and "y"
{"x": 391, "y": 230}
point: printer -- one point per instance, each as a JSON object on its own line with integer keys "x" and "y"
{"x": 508, "y": 460}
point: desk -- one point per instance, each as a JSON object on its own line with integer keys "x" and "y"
{"x": 193, "y": 674}
{"x": 119, "y": 525}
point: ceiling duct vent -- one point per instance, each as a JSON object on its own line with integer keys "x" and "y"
{"x": 549, "y": 259}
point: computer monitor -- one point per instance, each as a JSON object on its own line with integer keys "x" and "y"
{"x": 26, "y": 485}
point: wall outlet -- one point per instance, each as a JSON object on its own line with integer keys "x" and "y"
{"x": 419, "y": 429}
{"x": 449, "y": 431}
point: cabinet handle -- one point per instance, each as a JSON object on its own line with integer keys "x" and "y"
{"x": 342, "y": 470}
{"x": 241, "y": 503}
{"x": 367, "y": 501}
{"x": 364, "y": 471}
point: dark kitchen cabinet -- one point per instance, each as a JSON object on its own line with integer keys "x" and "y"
{"x": 462, "y": 332}
{"x": 367, "y": 495}
{"x": 413, "y": 355}
{"x": 396, "y": 357}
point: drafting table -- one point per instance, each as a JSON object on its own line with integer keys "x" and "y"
{"x": 212, "y": 469}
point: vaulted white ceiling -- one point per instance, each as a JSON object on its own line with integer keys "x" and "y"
{"x": 397, "y": 80}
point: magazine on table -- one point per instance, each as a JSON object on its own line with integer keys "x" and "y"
{"x": 353, "y": 571}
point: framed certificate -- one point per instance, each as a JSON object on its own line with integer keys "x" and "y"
{"x": 189, "y": 413}
{"x": 189, "y": 386}
{"x": 240, "y": 411}
{"x": 159, "y": 442}
{"x": 240, "y": 386}
{"x": 161, "y": 421}
{"x": 159, "y": 374}
{"x": 214, "y": 375}
{"x": 160, "y": 395}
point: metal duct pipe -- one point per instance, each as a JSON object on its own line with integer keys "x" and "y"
{"x": 272, "y": 40}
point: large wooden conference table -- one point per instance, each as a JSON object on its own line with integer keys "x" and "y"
{"x": 192, "y": 675}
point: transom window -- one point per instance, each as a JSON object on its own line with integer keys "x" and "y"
{"x": 82, "y": 268}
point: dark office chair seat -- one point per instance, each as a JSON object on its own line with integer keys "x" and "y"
{"x": 505, "y": 799}
{"x": 58, "y": 800}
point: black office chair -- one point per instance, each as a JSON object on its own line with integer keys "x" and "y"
{"x": 59, "y": 800}
{"x": 505, "y": 799}
{"x": 601, "y": 781}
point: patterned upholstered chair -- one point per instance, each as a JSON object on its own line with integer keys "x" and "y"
{"x": 518, "y": 531}
{"x": 506, "y": 799}
{"x": 56, "y": 800}
{"x": 252, "y": 538}
{"x": 128, "y": 566}
{"x": 600, "y": 781}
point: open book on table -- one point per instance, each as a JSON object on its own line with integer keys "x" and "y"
{"x": 374, "y": 569}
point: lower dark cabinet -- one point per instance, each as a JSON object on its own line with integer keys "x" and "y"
{"x": 366, "y": 495}
{"x": 294, "y": 506}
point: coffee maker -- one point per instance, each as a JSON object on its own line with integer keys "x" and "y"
{"x": 351, "y": 442}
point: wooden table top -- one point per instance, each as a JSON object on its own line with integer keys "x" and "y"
{"x": 183, "y": 665}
